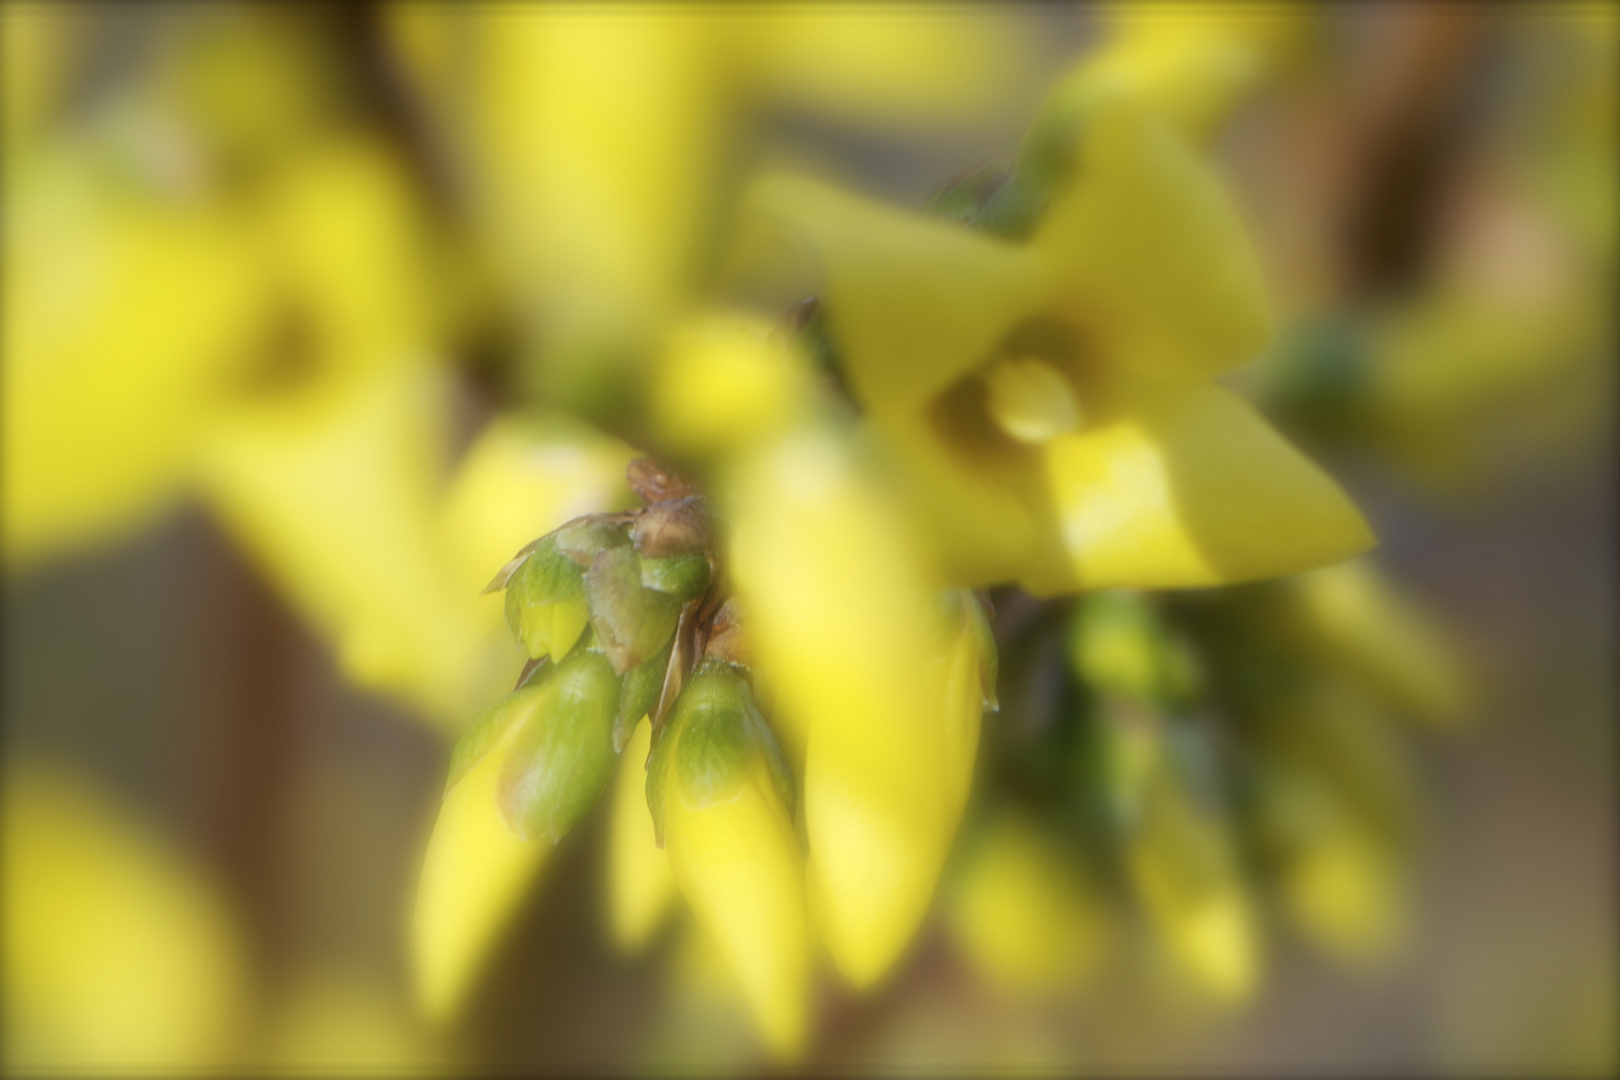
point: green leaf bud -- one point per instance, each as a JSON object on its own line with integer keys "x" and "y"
{"x": 639, "y": 695}
{"x": 562, "y": 758}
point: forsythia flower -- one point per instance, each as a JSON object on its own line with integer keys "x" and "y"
{"x": 725, "y": 799}
{"x": 118, "y": 955}
{"x": 1050, "y": 400}
{"x": 842, "y": 623}
{"x": 1023, "y": 911}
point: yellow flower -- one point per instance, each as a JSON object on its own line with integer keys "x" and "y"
{"x": 1050, "y": 400}
{"x": 728, "y": 828}
{"x": 118, "y": 955}
{"x": 1024, "y": 912}
{"x": 884, "y": 707}
{"x": 125, "y": 308}
{"x": 476, "y": 872}
{"x": 724, "y": 382}
{"x": 1342, "y": 882}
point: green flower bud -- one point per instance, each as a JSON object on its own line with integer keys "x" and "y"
{"x": 632, "y": 622}
{"x": 714, "y": 736}
{"x": 562, "y": 758}
{"x": 545, "y": 602}
{"x": 682, "y": 576}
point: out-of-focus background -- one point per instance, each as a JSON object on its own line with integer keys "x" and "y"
{"x": 219, "y": 779}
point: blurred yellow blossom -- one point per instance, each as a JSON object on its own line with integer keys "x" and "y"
{"x": 476, "y": 872}
{"x": 841, "y": 620}
{"x": 118, "y": 955}
{"x": 1024, "y": 911}
{"x": 126, "y": 307}
{"x": 1192, "y": 62}
{"x": 730, "y": 837}
{"x": 595, "y": 137}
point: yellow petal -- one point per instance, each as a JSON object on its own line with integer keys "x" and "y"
{"x": 739, "y": 866}
{"x": 593, "y": 135}
{"x": 522, "y": 477}
{"x": 475, "y": 874}
{"x": 1148, "y": 253}
{"x": 725, "y": 381}
{"x": 1179, "y": 485}
{"x": 840, "y": 621}
{"x": 914, "y": 303}
{"x": 1342, "y": 885}
{"x": 640, "y": 882}
{"x": 974, "y": 516}
{"x": 352, "y": 243}
{"x": 334, "y": 497}
{"x": 963, "y": 684}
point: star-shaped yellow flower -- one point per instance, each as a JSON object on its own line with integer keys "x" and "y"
{"x": 1051, "y": 400}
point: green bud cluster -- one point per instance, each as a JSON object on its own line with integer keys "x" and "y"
{"x": 597, "y": 605}
{"x": 620, "y": 619}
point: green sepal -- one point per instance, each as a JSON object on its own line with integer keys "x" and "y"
{"x": 682, "y": 576}
{"x": 562, "y": 758}
{"x": 715, "y": 742}
{"x": 639, "y": 695}
{"x": 632, "y": 622}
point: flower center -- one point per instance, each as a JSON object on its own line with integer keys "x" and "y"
{"x": 1030, "y": 399}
